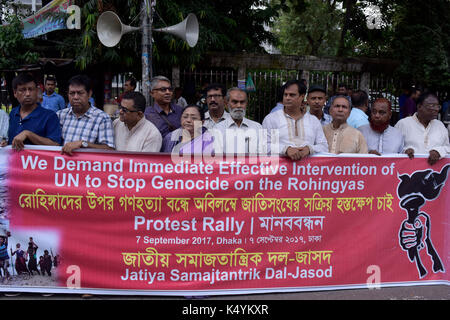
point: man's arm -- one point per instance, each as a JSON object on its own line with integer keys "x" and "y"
{"x": 69, "y": 147}
{"x": 18, "y": 141}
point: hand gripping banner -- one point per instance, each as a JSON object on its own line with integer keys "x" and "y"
{"x": 116, "y": 223}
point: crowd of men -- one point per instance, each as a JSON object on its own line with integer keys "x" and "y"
{"x": 304, "y": 123}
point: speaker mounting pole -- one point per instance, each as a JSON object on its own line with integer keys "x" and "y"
{"x": 146, "y": 58}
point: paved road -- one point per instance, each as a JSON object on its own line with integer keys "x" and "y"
{"x": 430, "y": 292}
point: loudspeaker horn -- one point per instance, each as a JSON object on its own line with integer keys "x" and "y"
{"x": 110, "y": 29}
{"x": 186, "y": 30}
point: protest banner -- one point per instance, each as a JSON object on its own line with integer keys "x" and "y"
{"x": 123, "y": 223}
{"x": 42, "y": 22}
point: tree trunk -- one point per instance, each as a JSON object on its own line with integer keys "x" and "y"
{"x": 349, "y": 6}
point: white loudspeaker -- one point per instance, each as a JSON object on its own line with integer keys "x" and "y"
{"x": 110, "y": 29}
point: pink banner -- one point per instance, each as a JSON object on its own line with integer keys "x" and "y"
{"x": 145, "y": 224}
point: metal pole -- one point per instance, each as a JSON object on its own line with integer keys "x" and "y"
{"x": 146, "y": 58}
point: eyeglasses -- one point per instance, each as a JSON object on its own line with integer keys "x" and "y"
{"x": 215, "y": 96}
{"x": 122, "y": 108}
{"x": 163, "y": 89}
{"x": 432, "y": 106}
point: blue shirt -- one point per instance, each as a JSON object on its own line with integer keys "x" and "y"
{"x": 53, "y": 102}
{"x": 161, "y": 120}
{"x": 40, "y": 121}
{"x": 357, "y": 118}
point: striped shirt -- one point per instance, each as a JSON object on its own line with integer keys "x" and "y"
{"x": 94, "y": 126}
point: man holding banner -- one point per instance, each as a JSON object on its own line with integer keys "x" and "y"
{"x": 84, "y": 126}
{"x": 30, "y": 123}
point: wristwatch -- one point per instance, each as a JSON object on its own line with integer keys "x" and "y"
{"x": 84, "y": 144}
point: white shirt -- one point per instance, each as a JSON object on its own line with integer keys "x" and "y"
{"x": 306, "y": 131}
{"x": 143, "y": 137}
{"x": 210, "y": 123}
{"x": 421, "y": 139}
{"x": 181, "y": 102}
{"x": 231, "y": 138}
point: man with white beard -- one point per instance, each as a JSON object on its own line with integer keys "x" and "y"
{"x": 238, "y": 134}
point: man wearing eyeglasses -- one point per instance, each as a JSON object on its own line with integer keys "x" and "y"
{"x": 215, "y": 99}
{"x": 164, "y": 114}
{"x": 83, "y": 125}
{"x": 423, "y": 133}
{"x": 132, "y": 131}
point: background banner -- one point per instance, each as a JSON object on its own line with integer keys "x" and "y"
{"x": 150, "y": 224}
{"x": 42, "y": 22}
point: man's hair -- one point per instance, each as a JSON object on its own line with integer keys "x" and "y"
{"x": 342, "y": 85}
{"x": 154, "y": 81}
{"x": 383, "y": 100}
{"x": 359, "y": 98}
{"x": 132, "y": 81}
{"x": 217, "y": 86}
{"x": 280, "y": 91}
{"x": 50, "y": 78}
{"x": 200, "y": 110}
{"x": 227, "y": 97}
{"x": 301, "y": 87}
{"x": 341, "y": 96}
{"x": 23, "y": 78}
{"x": 138, "y": 100}
{"x": 425, "y": 95}
{"x": 81, "y": 80}
{"x": 317, "y": 88}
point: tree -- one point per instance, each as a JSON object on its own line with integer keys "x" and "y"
{"x": 15, "y": 51}
{"x": 309, "y": 28}
{"x": 225, "y": 25}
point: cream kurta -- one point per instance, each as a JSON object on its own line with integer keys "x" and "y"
{"x": 144, "y": 136}
{"x": 345, "y": 139}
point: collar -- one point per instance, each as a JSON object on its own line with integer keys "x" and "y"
{"x": 158, "y": 109}
{"x": 230, "y": 123}
{"x": 341, "y": 127}
{"x": 34, "y": 114}
{"x": 87, "y": 114}
{"x": 223, "y": 117}
{"x": 52, "y": 95}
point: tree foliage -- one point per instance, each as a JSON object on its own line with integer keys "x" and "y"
{"x": 225, "y": 25}
{"x": 414, "y": 32}
{"x": 15, "y": 51}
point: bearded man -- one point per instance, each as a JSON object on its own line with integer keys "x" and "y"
{"x": 381, "y": 137}
{"x": 239, "y": 134}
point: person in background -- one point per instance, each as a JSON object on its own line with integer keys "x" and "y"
{"x": 215, "y": 99}
{"x": 128, "y": 86}
{"x": 164, "y": 114}
{"x": 50, "y": 99}
{"x": 4, "y": 125}
{"x": 179, "y": 100}
{"x": 316, "y": 98}
{"x": 410, "y": 107}
{"x": 360, "y": 105}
